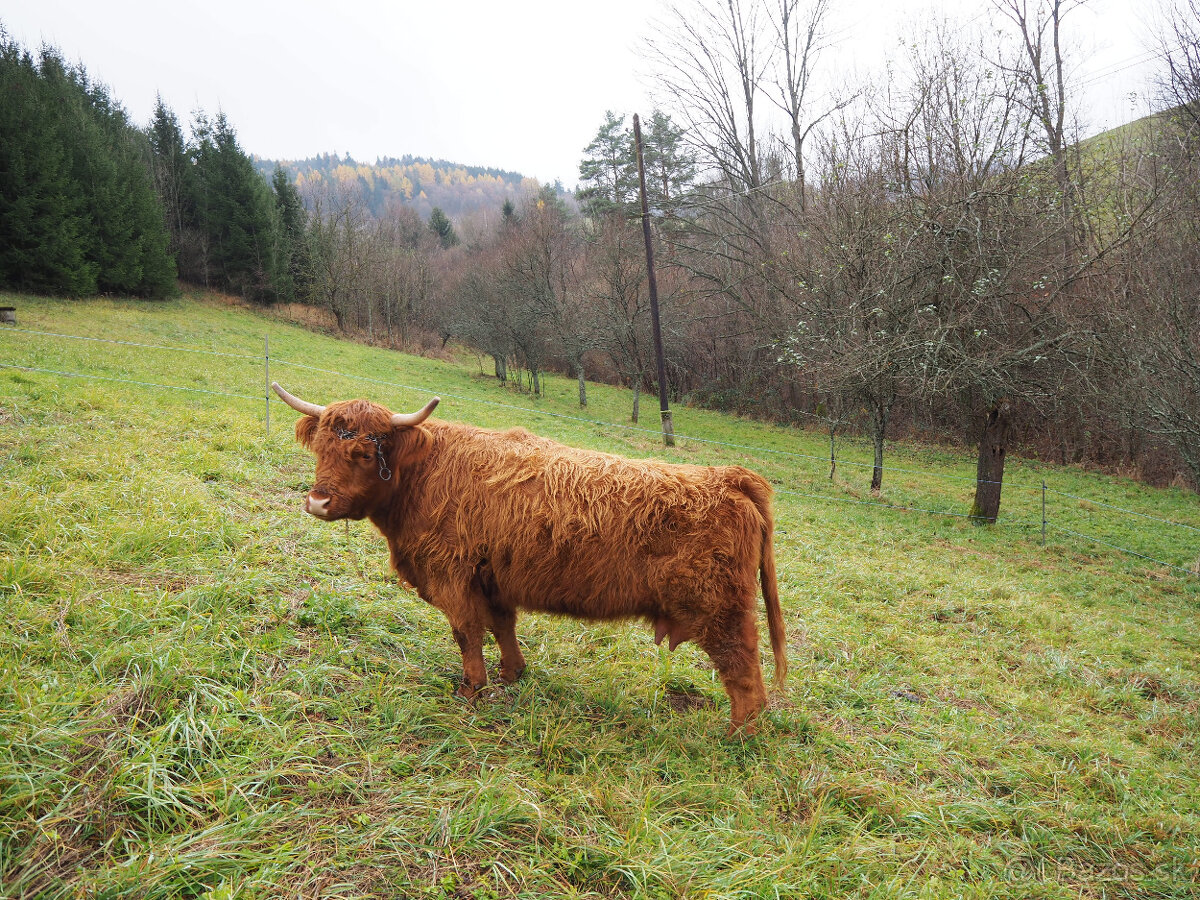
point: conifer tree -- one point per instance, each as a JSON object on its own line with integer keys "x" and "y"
{"x": 174, "y": 179}
{"x": 292, "y": 258}
{"x": 670, "y": 163}
{"x": 42, "y": 224}
{"x": 609, "y": 170}
{"x": 441, "y": 225}
{"x": 609, "y": 174}
{"x": 78, "y": 211}
{"x": 234, "y": 212}
{"x": 127, "y": 238}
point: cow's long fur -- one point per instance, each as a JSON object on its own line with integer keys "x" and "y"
{"x": 485, "y": 523}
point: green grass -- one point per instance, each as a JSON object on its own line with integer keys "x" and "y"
{"x": 206, "y": 693}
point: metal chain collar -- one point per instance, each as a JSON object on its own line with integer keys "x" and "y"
{"x": 384, "y": 472}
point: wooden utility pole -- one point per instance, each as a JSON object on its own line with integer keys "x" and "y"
{"x": 664, "y": 409}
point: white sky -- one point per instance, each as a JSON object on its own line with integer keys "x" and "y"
{"x": 520, "y": 85}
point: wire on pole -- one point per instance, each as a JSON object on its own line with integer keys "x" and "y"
{"x": 1088, "y": 537}
{"x": 267, "y": 380}
{"x": 1045, "y": 489}
{"x": 1043, "y": 512}
{"x": 80, "y": 337}
{"x": 169, "y": 387}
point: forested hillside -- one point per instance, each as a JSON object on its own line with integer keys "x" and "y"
{"x": 939, "y": 257}
{"x": 412, "y": 181}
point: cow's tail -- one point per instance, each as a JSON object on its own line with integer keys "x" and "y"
{"x": 760, "y": 492}
{"x": 771, "y": 598}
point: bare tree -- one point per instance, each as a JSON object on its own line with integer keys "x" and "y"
{"x": 536, "y": 276}
{"x": 711, "y": 66}
{"x": 800, "y": 36}
{"x": 1179, "y": 44}
{"x": 616, "y": 261}
{"x": 1155, "y": 319}
{"x": 338, "y": 224}
{"x": 1044, "y": 76}
{"x": 857, "y": 332}
{"x": 403, "y": 275}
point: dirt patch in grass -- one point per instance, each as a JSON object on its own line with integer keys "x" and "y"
{"x": 683, "y": 700}
{"x": 114, "y": 716}
{"x": 139, "y": 578}
{"x": 1154, "y": 688}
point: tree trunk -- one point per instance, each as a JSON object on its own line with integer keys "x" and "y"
{"x": 501, "y": 368}
{"x": 637, "y": 396}
{"x": 832, "y": 451}
{"x": 879, "y": 421}
{"x": 993, "y": 446}
{"x": 582, "y": 385}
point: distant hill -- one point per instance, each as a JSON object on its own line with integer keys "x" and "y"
{"x": 412, "y": 181}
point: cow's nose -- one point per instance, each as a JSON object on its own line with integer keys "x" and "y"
{"x": 317, "y": 506}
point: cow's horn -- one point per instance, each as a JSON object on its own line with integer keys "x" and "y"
{"x": 408, "y": 420}
{"x": 309, "y": 409}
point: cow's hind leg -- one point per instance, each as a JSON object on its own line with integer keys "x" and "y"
{"x": 732, "y": 642}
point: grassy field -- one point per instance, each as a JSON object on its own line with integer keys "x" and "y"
{"x": 206, "y": 693}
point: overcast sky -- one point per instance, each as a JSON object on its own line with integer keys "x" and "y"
{"x": 520, "y": 85}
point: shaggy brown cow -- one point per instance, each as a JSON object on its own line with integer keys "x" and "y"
{"x": 484, "y": 523}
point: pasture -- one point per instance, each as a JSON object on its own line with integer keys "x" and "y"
{"x": 206, "y": 693}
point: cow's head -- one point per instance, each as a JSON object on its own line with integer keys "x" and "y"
{"x": 361, "y": 449}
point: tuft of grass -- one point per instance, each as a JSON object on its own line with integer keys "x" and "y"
{"x": 206, "y": 693}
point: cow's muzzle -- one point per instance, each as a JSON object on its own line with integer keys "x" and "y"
{"x": 317, "y": 506}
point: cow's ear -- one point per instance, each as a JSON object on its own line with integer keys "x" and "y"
{"x": 306, "y": 429}
{"x": 411, "y": 445}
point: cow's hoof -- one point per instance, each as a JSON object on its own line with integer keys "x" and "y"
{"x": 741, "y": 732}
{"x": 469, "y": 691}
{"x": 509, "y": 676}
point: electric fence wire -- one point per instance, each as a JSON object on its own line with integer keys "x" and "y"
{"x": 1131, "y": 512}
{"x": 581, "y": 419}
{"x": 480, "y": 400}
{"x": 600, "y": 424}
{"x": 932, "y": 512}
{"x": 80, "y": 337}
{"x": 1094, "y": 539}
{"x": 635, "y": 428}
{"x": 169, "y": 387}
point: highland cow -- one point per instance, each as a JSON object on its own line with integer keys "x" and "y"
{"x": 485, "y": 523}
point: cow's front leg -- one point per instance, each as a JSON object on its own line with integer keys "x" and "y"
{"x": 465, "y": 608}
{"x": 504, "y": 628}
{"x": 469, "y": 637}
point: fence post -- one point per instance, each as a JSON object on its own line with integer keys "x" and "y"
{"x": 1043, "y": 512}
{"x": 267, "y": 385}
